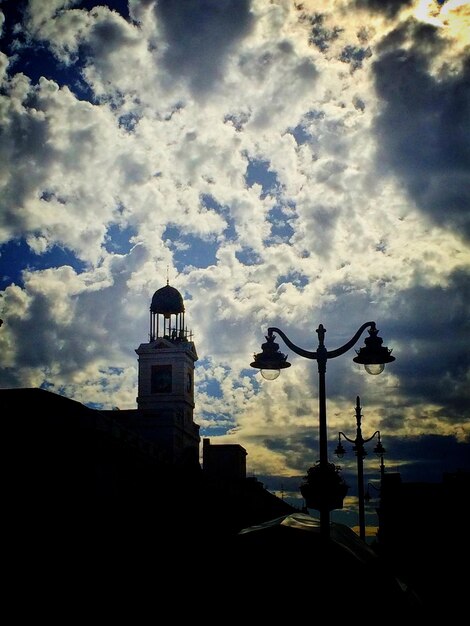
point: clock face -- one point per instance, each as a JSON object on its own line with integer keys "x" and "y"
{"x": 161, "y": 381}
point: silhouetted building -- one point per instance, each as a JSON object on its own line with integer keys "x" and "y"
{"x": 69, "y": 453}
{"x": 223, "y": 461}
{"x": 423, "y": 532}
{"x": 405, "y": 506}
{"x": 235, "y": 501}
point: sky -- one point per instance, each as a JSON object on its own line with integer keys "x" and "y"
{"x": 281, "y": 163}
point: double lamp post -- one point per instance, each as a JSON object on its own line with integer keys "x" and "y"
{"x": 360, "y": 451}
{"x": 373, "y": 356}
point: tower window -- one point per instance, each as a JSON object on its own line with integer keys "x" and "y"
{"x": 161, "y": 379}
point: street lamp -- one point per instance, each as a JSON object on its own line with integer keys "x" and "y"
{"x": 360, "y": 451}
{"x": 373, "y": 356}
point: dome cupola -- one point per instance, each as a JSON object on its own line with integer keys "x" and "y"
{"x": 167, "y": 301}
{"x": 167, "y": 315}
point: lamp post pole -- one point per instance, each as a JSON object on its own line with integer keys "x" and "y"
{"x": 373, "y": 356}
{"x": 360, "y": 451}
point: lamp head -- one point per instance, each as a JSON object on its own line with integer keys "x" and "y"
{"x": 379, "y": 449}
{"x": 373, "y": 355}
{"x": 270, "y": 361}
{"x": 339, "y": 450}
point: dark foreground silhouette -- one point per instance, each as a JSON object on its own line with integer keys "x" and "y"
{"x": 290, "y": 560}
{"x": 95, "y": 529}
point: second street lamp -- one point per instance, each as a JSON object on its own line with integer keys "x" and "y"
{"x": 373, "y": 356}
{"x": 360, "y": 451}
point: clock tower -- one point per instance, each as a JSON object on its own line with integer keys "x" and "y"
{"x": 166, "y": 380}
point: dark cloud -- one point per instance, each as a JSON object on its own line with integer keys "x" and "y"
{"x": 433, "y": 364}
{"x": 390, "y": 8}
{"x": 424, "y": 458}
{"x": 281, "y": 483}
{"x": 424, "y": 127}
{"x": 108, "y": 36}
{"x": 427, "y": 457}
{"x": 199, "y": 34}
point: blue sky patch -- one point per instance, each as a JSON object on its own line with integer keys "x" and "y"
{"x": 16, "y": 256}
{"x": 216, "y": 430}
{"x": 97, "y": 406}
{"x": 129, "y": 121}
{"x": 248, "y": 256}
{"x": 281, "y": 230}
{"x": 189, "y": 250}
{"x": 295, "y": 278}
{"x": 210, "y": 202}
{"x": 47, "y": 386}
{"x": 300, "y": 134}
{"x": 212, "y": 388}
{"x": 252, "y": 373}
{"x": 258, "y": 172}
{"x": 117, "y": 239}
{"x": 120, "y": 6}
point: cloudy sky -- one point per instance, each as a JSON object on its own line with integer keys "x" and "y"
{"x": 284, "y": 163}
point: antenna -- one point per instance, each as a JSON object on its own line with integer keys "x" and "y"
{"x": 167, "y": 275}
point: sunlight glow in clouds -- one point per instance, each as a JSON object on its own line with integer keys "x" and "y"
{"x": 454, "y": 15}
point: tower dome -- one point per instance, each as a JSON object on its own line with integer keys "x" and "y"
{"x": 167, "y": 301}
{"x": 167, "y": 315}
